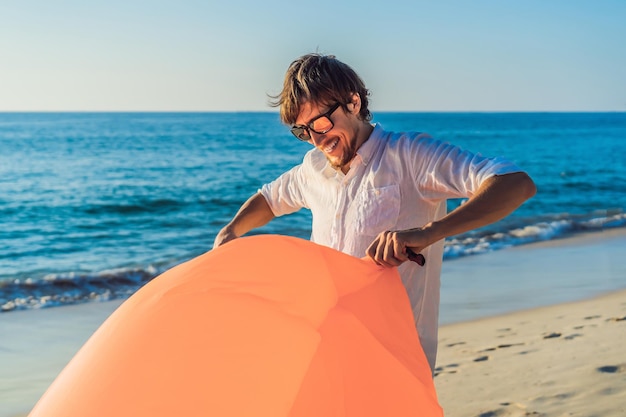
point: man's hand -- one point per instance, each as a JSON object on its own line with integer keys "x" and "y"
{"x": 391, "y": 248}
{"x": 253, "y": 213}
{"x": 225, "y": 235}
{"x": 496, "y": 198}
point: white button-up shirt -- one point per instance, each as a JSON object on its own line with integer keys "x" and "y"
{"x": 396, "y": 181}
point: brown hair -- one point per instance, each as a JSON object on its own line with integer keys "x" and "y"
{"x": 320, "y": 79}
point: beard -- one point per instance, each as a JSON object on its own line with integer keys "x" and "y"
{"x": 348, "y": 154}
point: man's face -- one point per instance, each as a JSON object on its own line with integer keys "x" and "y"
{"x": 340, "y": 143}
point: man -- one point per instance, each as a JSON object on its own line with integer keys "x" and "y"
{"x": 378, "y": 193}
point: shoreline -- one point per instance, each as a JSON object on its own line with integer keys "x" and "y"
{"x": 41, "y": 342}
{"x": 538, "y": 274}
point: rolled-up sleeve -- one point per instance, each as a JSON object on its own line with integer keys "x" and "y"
{"x": 447, "y": 171}
{"x": 284, "y": 194}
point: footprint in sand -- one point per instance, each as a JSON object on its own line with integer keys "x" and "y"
{"x": 612, "y": 369}
{"x": 508, "y": 410}
{"x": 507, "y": 345}
{"x": 481, "y": 358}
{"x": 493, "y": 413}
{"x": 551, "y": 335}
{"x": 446, "y": 369}
{"x": 616, "y": 319}
{"x": 503, "y": 346}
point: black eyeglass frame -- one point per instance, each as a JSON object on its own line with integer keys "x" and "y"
{"x": 303, "y": 132}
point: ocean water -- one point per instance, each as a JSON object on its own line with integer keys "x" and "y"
{"x": 93, "y": 205}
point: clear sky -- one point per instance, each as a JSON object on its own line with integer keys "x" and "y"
{"x": 209, "y": 55}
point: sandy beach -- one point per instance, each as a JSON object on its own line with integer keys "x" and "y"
{"x": 562, "y": 360}
{"x": 565, "y": 359}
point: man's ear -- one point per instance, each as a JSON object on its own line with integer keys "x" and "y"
{"x": 354, "y": 106}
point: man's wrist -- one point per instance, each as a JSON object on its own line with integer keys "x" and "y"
{"x": 434, "y": 232}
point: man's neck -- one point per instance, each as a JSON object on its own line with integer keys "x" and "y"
{"x": 363, "y": 134}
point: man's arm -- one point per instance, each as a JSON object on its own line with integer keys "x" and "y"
{"x": 253, "y": 213}
{"x": 496, "y": 198}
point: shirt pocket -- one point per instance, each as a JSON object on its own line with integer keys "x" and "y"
{"x": 377, "y": 210}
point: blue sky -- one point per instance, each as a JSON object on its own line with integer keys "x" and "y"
{"x": 227, "y": 55}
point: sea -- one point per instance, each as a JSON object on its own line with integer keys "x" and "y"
{"x": 94, "y": 205}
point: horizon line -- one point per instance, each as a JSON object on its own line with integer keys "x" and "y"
{"x": 276, "y": 111}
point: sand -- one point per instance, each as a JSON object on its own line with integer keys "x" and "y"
{"x": 563, "y": 359}
{"x": 35, "y": 345}
{"x": 560, "y": 360}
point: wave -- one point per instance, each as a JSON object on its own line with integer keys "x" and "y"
{"x": 71, "y": 288}
{"x": 62, "y": 289}
{"x": 557, "y": 227}
{"x": 138, "y": 207}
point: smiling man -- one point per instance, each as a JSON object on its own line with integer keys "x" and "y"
{"x": 377, "y": 193}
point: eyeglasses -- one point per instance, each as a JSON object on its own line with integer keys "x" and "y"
{"x": 320, "y": 125}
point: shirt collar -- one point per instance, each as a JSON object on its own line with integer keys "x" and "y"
{"x": 367, "y": 149}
